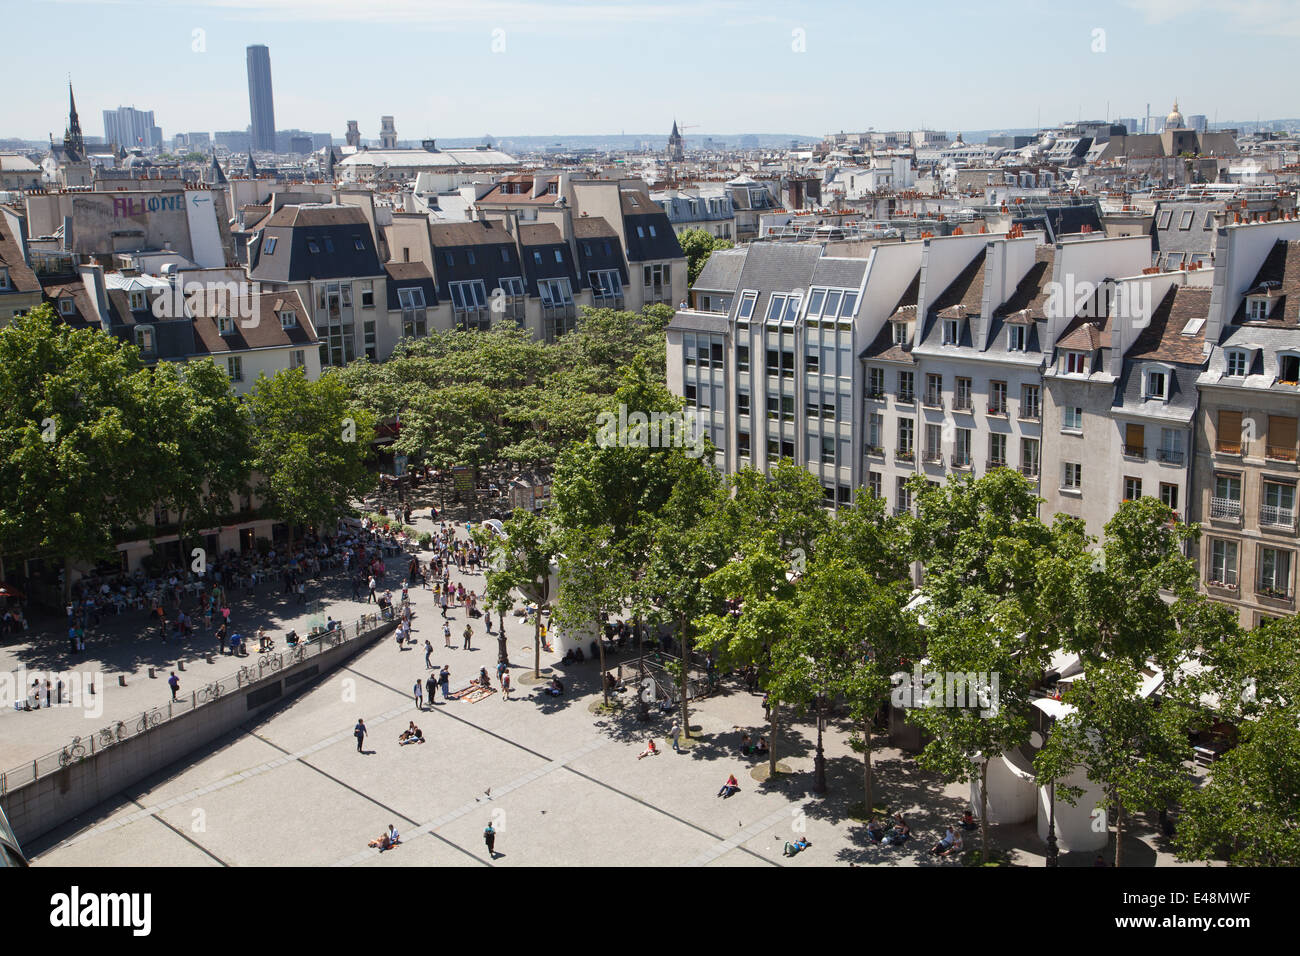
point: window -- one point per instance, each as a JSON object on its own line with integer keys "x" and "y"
{"x": 906, "y": 387}
{"x": 1029, "y": 457}
{"x": 876, "y": 382}
{"x": 1278, "y": 507}
{"x": 313, "y": 246}
{"x": 1274, "y": 573}
{"x": 1236, "y": 364}
{"x": 828, "y": 450}
{"x": 904, "y": 495}
{"x": 1132, "y": 489}
{"x": 1017, "y": 338}
{"x": 742, "y": 358}
{"x": 67, "y": 306}
{"x": 747, "y": 300}
{"x": 1171, "y": 446}
{"x": 367, "y": 295}
{"x": 466, "y": 296}
{"x": 268, "y": 247}
{"x": 815, "y": 299}
{"x": 235, "y": 368}
{"x": 1281, "y": 444}
{"x": 555, "y": 293}
{"x": 144, "y": 338}
{"x": 414, "y": 316}
{"x": 640, "y": 232}
{"x": 652, "y": 231}
{"x": 358, "y": 244}
{"x": 961, "y": 399}
{"x": 288, "y": 319}
{"x": 997, "y": 398}
{"x": 997, "y": 450}
{"x": 1288, "y": 369}
{"x": 900, "y": 333}
{"x": 329, "y": 244}
{"x": 1166, "y": 217}
{"x": 951, "y": 331}
{"x": 1071, "y": 418}
{"x": 961, "y": 448}
{"x": 875, "y": 433}
{"x": 906, "y": 438}
{"x": 1169, "y": 496}
{"x": 138, "y": 303}
{"x": 297, "y": 359}
{"x": 1135, "y": 440}
{"x": 1256, "y": 308}
{"x": 369, "y": 335}
{"x": 934, "y": 390}
{"x": 934, "y": 443}
{"x": 1185, "y": 221}
{"x": 812, "y": 358}
{"x": 449, "y": 257}
{"x": 606, "y": 286}
{"x": 1157, "y": 385}
{"x": 1071, "y": 476}
{"x": 225, "y": 325}
{"x": 742, "y": 403}
{"x": 1223, "y": 562}
{"x": 873, "y": 483}
{"x": 1225, "y": 503}
{"x": 1030, "y": 407}
{"x": 1075, "y": 363}
{"x": 1228, "y": 433}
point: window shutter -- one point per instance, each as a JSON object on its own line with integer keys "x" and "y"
{"x": 1134, "y": 436}
{"x": 1281, "y": 431}
{"x": 1229, "y": 426}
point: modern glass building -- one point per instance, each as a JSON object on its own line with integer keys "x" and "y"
{"x": 261, "y": 108}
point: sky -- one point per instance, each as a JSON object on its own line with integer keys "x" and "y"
{"x": 469, "y": 68}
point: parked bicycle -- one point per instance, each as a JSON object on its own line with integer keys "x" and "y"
{"x": 72, "y": 753}
{"x": 211, "y": 692}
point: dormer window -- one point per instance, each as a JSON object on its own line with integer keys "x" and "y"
{"x": 288, "y": 319}
{"x": 67, "y": 306}
{"x": 747, "y": 300}
{"x": 1157, "y": 385}
{"x": 225, "y": 325}
{"x": 1075, "y": 363}
{"x": 1288, "y": 369}
{"x": 900, "y": 333}
{"x": 268, "y": 247}
{"x": 358, "y": 244}
{"x": 1237, "y": 364}
{"x": 1256, "y": 308}
{"x": 4, "y": 280}
{"x": 138, "y": 303}
{"x": 1017, "y": 338}
{"x": 313, "y": 246}
{"x": 144, "y": 338}
{"x": 951, "y": 331}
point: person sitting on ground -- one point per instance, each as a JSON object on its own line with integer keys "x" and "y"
{"x": 555, "y": 688}
{"x": 746, "y": 743}
{"x": 650, "y": 751}
{"x": 945, "y": 844}
{"x": 410, "y": 735}
{"x": 730, "y": 788}
{"x": 291, "y": 638}
{"x": 761, "y": 747}
{"x": 483, "y": 679}
{"x": 902, "y": 833}
{"x": 800, "y": 844}
{"x": 968, "y": 821}
{"x": 954, "y": 847}
{"x": 875, "y": 832}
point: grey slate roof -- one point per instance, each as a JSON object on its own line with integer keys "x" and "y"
{"x": 722, "y": 271}
{"x": 335, "y": 232}
{"x": 840, "y": 273}
{"x": 777, "y": 267}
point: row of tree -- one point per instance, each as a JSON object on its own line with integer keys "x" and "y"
{"x": 92, "y": 441}
{"x": 755, "y": 568}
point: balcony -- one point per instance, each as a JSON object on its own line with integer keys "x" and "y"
{"x": 1280, "y": 453}
{"x": 933, "y": 401}
{"x": 905, "y": 454}
{"x": 874, "y": 450}
{"x": 1170, "y": 456}
{"x": 960, "y": 461}
{"x": 1227, "y": 447}
{"x": 961, "y": 403}
{"x": 1278, "y": 595}
{"x": 997, "y": 411}
{"x": 1275, "y": 517}
{"x": 1030, "y": 413}
{"x": 905, "y": 398}
{"x": 876, "y": 394}
{"x": 1227, "y": 588}
{"x": 1135, "y": 451}
{"x": 1225, "y": 509}
{"x": 1029, "y": 471}
{"x": 932, "y": 456}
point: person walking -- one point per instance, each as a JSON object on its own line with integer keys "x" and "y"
{"x": 359, "y": 731}
{"x": 446, "y": 634}
{"x": 173, "y": 682}
{"x": 443, "y": 601}
{"x": 676, "y": 732}
{"x": 302, "y": 592}
{"x": 505, "y": 686}
{"x": 373, "y": 597}
{"x": 490, "y": 838}
{"x": 431, "y": 685}
{"x": 419, "y": 695}
{"x": 428, "y": 652}
{"x": 469, "y": 633}
{"x": 444, "y": 681}
{"x": 356, "y": 587}
{"x": 487, "y": 619}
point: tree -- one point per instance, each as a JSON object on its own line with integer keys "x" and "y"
{"x": 697, "y": 245}
{"x": 201, "y": 441}
{"x": 310, "y": 447}
{"x": 522, "y": 562}
{"x": 593, "y": 583}
{"x": 74, "y": 456}
{"x": 1127, "y": 745}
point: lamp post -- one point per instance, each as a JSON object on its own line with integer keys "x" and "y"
{"x": 819, "y": 763}
{"x": 1053, "y": 854}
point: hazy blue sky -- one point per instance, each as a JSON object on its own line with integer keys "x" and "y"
{"x": 721, "y": 66}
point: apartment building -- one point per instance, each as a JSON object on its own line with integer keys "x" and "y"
{"x": 705, "y": 207}
{"x": 1245, "y": 472}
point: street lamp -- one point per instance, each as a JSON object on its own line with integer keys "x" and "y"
{"x": 819, "y": 763}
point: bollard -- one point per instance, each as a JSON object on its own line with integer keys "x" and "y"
{"x": 180, "y": 665}
{"x": 152, "y": 673}
{"x": 121, "y": 680}
{"x": 90, "y": 688}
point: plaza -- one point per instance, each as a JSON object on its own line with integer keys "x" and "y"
{"x": 559, "y": 782}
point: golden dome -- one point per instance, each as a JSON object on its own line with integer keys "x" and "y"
{"x": 1175, "y": 119}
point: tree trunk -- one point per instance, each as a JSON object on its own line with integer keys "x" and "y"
{"x": 774, "y": 708}
{"x": 866, "y": 763}
{"x": 984, "y": 811}
{"x": 600, "y": 643}
{"x": 1119, "y": 834}
{"x": 537, "y": 642}
{"x": 684, "y": 680}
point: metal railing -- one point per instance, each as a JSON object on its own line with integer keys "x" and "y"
{"x": 1228, "y": 508}
{"x": 1277, "y": 517}
{"x": 259, "y": 667}
{"x": 1135, "y": 451}
{"x": 1227, "y": 447}
{"x": 1172, "y": 456}
{"x": 1280, "y": 452}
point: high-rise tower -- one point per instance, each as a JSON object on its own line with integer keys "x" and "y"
{"x": 261, "y": 107}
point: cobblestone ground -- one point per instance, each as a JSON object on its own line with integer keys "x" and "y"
{"x": 561, "y": 785}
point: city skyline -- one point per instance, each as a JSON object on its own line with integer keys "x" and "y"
{"x": 1103, "y": 60}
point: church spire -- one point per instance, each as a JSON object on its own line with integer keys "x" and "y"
{"x": 73, "y": 141}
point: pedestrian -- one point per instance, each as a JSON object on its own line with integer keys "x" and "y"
{"x": 505, "y": 686}
{"x": 173, "y": 682}
{"x": 428, "y": 652}
{"x": 444, "y": 681}
{"x": 431, "y": 685}
{"x": 359, "y": 731}
{"x": 502, "y": 667}
{"x": 419, "y": 695}
{"x": 446, "y": 634}
{"x": 443, "y": 602}
{"x": 676, "y": 732}
{"x": 490, "y": 838}
{"x": 372, "y": 597}
{"x": 468, "y": 634}
{"x": 356, "y": 587}
{"x": 302, "y": 593}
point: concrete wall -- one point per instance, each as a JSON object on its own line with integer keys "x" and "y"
{"x": 40, "y": 806}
